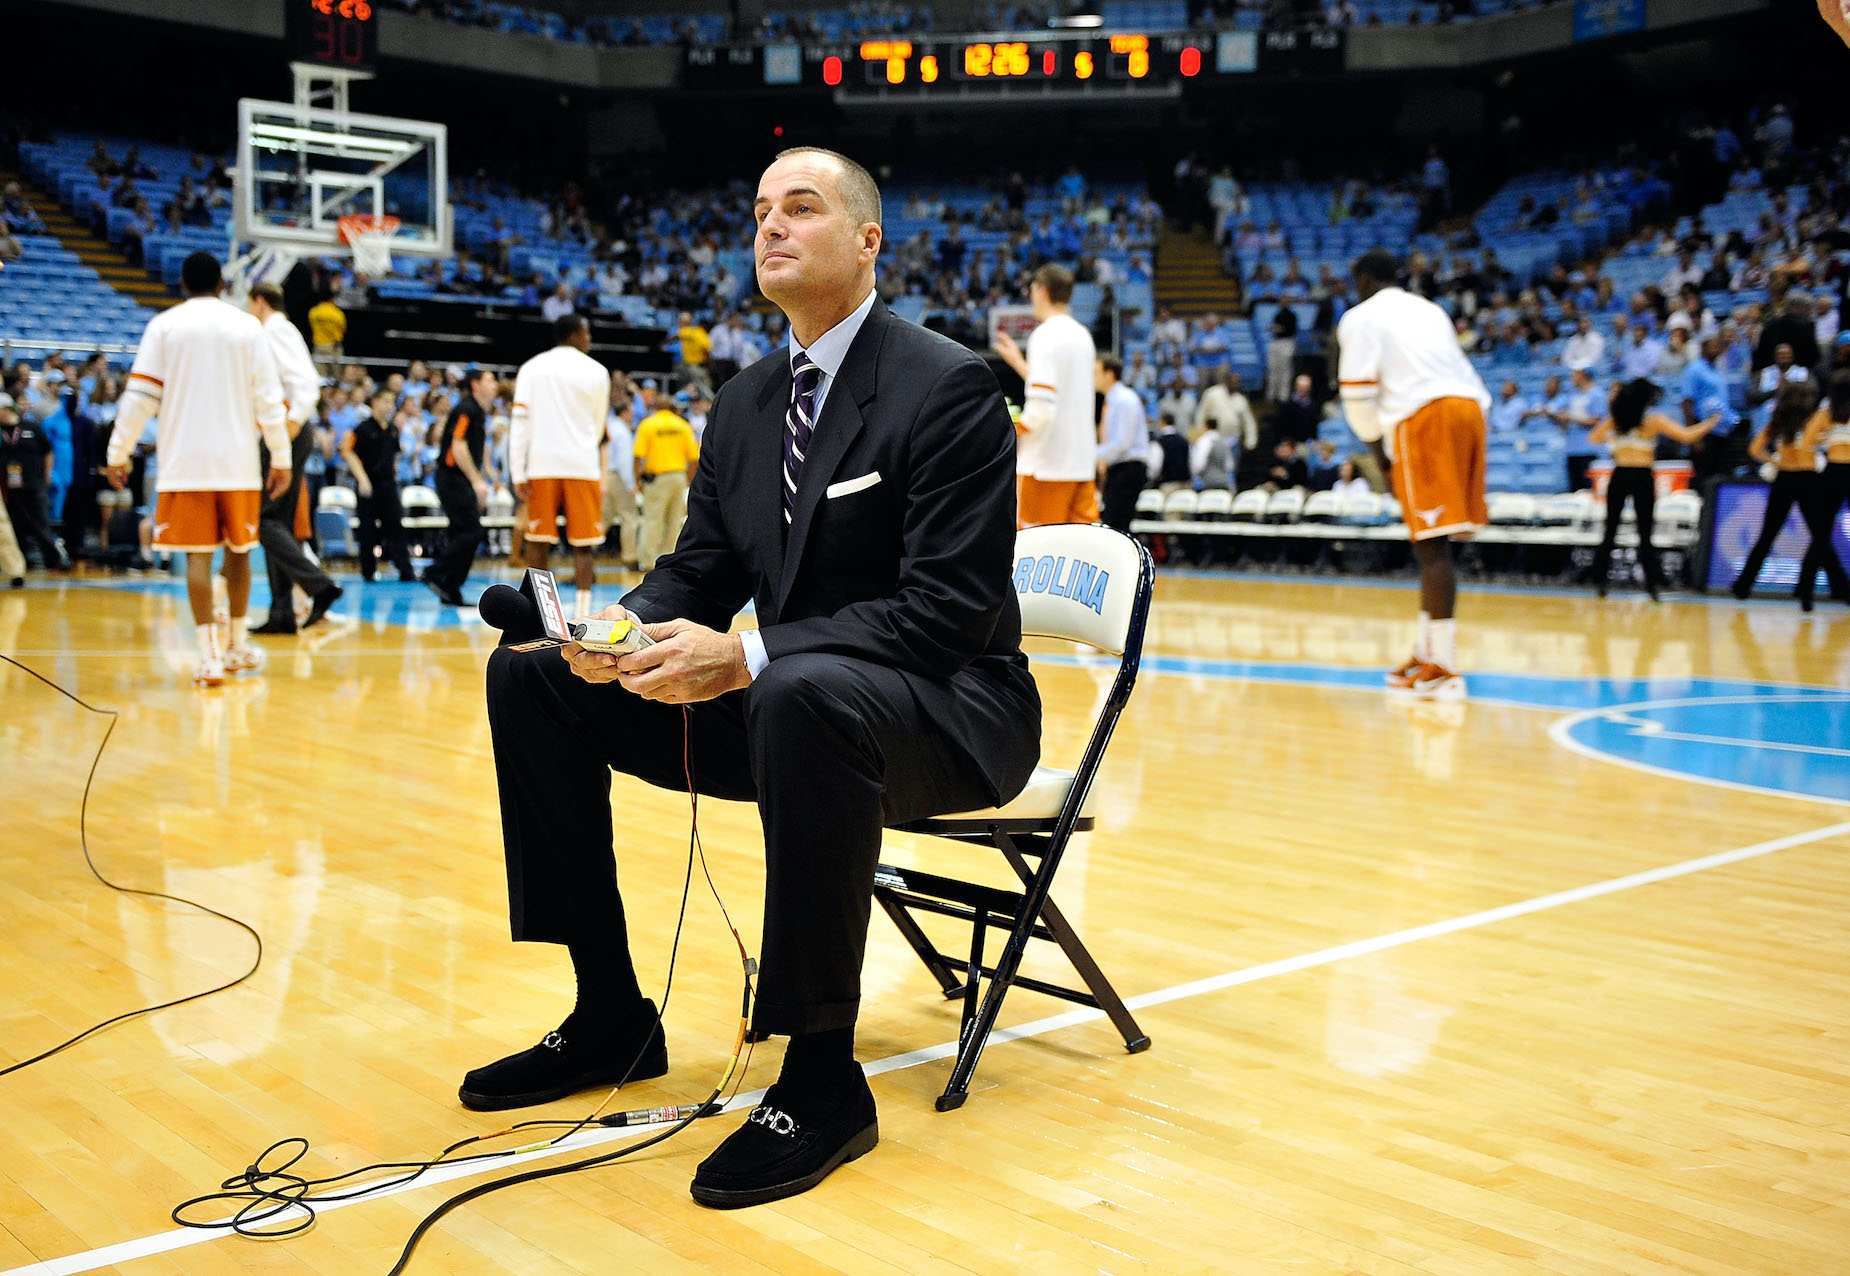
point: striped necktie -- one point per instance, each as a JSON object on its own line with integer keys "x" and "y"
{"x": 799, "y": 423}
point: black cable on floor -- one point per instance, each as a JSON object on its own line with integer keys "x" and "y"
{"x": 83, "y": 833}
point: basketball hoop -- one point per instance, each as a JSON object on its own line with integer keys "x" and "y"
{"x": 370, "y": 237}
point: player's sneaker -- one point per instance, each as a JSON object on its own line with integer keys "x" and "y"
{"x": 245, "y": 659}
{"x": 1436, "y": 682}
{"x": 209, "y": 672}
{"x": 1402, "y": 679}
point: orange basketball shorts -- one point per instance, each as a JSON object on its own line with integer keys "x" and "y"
{"x": 1439, "y": 469}
{"x": 1040, "y": 502}
{"x": 199, "y": 522}
{"x": 583, "y": 503}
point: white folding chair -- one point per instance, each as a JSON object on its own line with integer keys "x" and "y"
{"x": 1081, "y": 583}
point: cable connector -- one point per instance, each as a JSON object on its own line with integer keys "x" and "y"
{"x": 751, "y": 966}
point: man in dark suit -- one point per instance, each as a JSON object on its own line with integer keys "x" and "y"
{"x": 858, "y": 486}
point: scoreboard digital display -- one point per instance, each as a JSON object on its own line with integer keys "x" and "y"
{"x": 340, "y": 34}
{"x": 1103, "y": 62}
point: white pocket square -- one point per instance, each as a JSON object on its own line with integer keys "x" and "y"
{"x": 848, "y": 487}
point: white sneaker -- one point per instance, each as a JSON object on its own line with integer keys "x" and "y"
{"x": 209, "y": 672}
{"x": 1436, "y": 682}
{"x": 245, "y": 659}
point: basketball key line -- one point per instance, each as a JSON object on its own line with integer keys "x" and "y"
{"x": 180, "y": 1238}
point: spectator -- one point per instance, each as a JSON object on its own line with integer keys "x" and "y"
{"x": 1791, "y": 327}
{"x": 696, "y": 347}
{"x": 559, "y": 304}
{"x": 1124, "y": 437}
{"x": 21, "y": 217}
{"x": 327, "y": 326}
{"x": 1287, "y": 468}
{"x": 1640, "y": 358}
{"x": 1686, "y": 271}
{"x": 1676, "y": 354}
{"x": 1224, "y": 406}
{"x": 1348, "y": 482}
{"x": 1169, "y": 458}
{"x": 1825, "y": 321}
{"x": 1140, "y": 375}
{"x": 1212, "y": 460}
{"x": 1585, "y": 349}
{"x": 1297, "y": 417}
{"x": 1323, "y": 466}
{"x": 1507, "y": 413}
{"x": 1585, "y": 409}
{"x": 1280, "y": 353}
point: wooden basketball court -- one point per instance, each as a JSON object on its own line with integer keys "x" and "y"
{"x": 1554, "y": 981}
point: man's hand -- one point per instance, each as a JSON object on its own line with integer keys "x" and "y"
{"x": 481, "y": 494}
{"x": 365, "y": 484}
{"x": 1006, "y": 347}
{"x": 520, "y": 491}
{"x": 687, "y": 664}
{"x": 596, "y": 666}
{"x": 278, "y": 482}
{"x": 117, "y": 476}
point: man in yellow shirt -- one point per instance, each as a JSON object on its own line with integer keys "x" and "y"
{"x": 696, "y": 348}
{"x": 666, "y": 454}
{"x": 327, "y": 325}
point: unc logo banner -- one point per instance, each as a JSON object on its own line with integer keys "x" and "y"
{"x": 1078, "y": 580}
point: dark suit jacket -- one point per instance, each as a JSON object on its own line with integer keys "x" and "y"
{"x": 911, "y": 572}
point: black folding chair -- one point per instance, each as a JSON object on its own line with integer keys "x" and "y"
{"x": 1087, "y": 584}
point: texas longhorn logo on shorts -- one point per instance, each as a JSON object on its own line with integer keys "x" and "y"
{"x": 775, "y": 1121}
{"x": 1431, "y": 516}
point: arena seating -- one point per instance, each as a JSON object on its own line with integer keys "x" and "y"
{"x": 50, "y": 297}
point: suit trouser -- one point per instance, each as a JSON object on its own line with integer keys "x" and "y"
{"x": 1833, "y": 489}
{"x": 662, "y": 516}
{"x": 449, "y": 567}
{"x": 832, "y": 749}
{"x": 12, "y": 562}
{"x": 622, "y": 513}
{"x": 382, "y": 524}
{"x": 26, "y": 508}
{"x": 1636, "y": 482}
{"x": 1123, "y": 483}
{"x": 283, "y": 555}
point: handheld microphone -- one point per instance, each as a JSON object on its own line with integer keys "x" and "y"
{"x": 517, "y": 616}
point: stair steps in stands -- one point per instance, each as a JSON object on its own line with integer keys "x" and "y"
{"x": 95, "y": 251}
{"x": 1189, "y": 279}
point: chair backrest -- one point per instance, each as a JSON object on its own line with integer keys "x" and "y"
{"x": 336, "y": 497}
{"x": 1250, "y": 503}
{"x": 1216, "y": 502}
{"x": 1320, "y": 507}
{"x": 1512, "y": 508}
{"x": 418, "y": 497}
{"x": 1086, "y": 583}
{"x": 1181, "y": 503}
{"x": 1361, "y": 508}
{"x": 1568, "y": 509}
{"x": 1150, "y": 501}
{"x": 1680, "y": 509}
{"x": 1285, "y": 506}
{"x": 1083, "y": 582}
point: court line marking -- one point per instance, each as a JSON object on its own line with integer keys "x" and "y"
{"x": 180, "y": 1238}
{"x": 1649, "y": 729}
{"x": 1561, "y": 732}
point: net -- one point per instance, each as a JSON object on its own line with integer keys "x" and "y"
{"x": 370, "y": 237}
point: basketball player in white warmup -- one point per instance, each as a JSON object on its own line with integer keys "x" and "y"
{"x": 206, "y": 370}
{"x": 1403, "y": 374}
{"x": 555, "y": 449}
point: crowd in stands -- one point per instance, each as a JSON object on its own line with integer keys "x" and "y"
{"x": 871, "y": 18}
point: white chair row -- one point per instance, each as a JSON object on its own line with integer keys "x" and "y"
{"x": 1570, "y": 518}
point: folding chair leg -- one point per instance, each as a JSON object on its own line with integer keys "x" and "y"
{"x": 940, "y": 969}
{"x": 1135, "y": 1040}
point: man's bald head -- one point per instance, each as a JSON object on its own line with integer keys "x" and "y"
{"x": 859, "y": 193}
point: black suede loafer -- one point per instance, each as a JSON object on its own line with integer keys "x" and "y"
{"x": 781, "y": 1151}
{"x": 568, "y": 1060}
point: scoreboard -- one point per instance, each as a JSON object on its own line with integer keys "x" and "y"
{"x": 1123, "y": 63}
{"x": 338, "y": 34}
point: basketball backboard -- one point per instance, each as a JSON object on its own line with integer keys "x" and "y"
{"x": 302, "y": 168}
